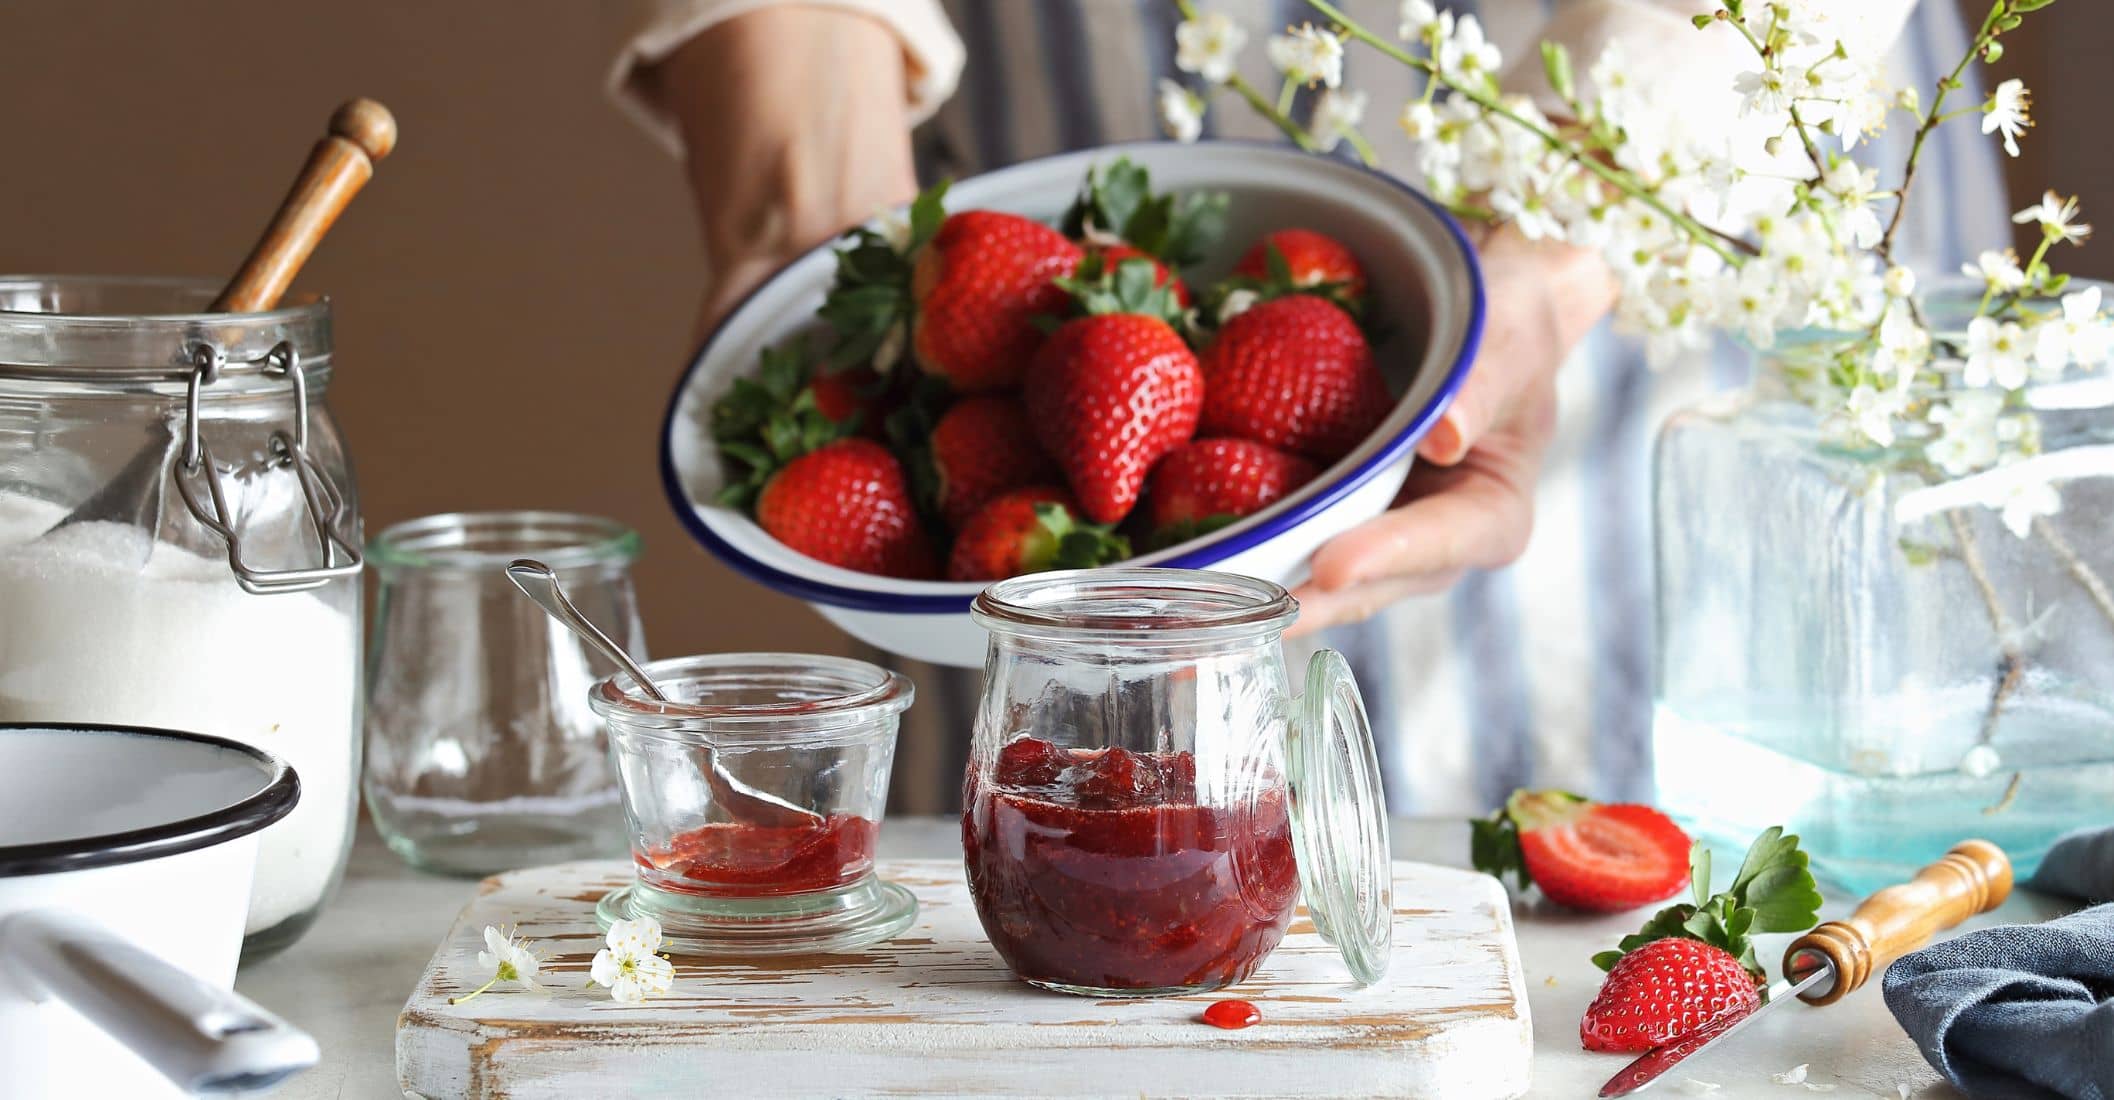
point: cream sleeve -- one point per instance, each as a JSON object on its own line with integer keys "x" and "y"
{"x": 932, "y": 53}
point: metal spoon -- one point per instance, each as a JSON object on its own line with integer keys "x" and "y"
{"x": 538, "y": 582}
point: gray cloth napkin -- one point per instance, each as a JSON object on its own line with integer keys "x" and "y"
{"x": 2023, "y": 1011}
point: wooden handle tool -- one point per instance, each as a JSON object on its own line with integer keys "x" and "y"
{"x": 361, "y": 133}
{"x": 1974, "y": 877}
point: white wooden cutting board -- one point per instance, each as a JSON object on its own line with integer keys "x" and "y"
{"x": 935, "y": 1012}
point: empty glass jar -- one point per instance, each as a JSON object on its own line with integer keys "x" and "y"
{"x": 482, "y": 751}
{"x": 754, "y": 800}
{"x": 1145, "y": 797}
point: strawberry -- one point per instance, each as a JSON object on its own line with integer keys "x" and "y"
{"x": 1297, "y": 374}
{"x": 1113, "y": 391}
{"x": 1664, "y": 990}
{"x": 980, "y": 447}
{"x": 1027, "y": 531}
{"x": 967, "y": 287}
{"x": 1301, "y": 261}
{"x": 1108, "y": 256}
{"x": 852, "y": 397}
{"x": 1117, "y": 203}
{"x": 846, "y": 503}
{"x": 1209, "y": 483}
{"x": 1584, "y": 854}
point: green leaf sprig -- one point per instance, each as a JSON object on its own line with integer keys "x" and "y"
{"x": 1773, "y": 892}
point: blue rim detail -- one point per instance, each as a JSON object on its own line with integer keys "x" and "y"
{"x": 814, "y": 591}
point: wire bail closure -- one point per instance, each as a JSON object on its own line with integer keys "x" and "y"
{"x": 329, "y": 515}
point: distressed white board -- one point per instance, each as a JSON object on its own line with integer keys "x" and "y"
{"x": 935, "y": 1012}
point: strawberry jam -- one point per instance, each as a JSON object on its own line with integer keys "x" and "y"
{"x": 740, "y": 860}
{"x": 1100, "y": 870}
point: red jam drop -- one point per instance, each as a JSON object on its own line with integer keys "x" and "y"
{"x": 1098, "y": 870}
{"x": 733, "y": 859}
{"x": 1233, "y": 1015}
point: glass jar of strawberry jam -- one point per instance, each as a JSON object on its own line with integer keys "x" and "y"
{"x": 753, "y": 796}
{"x": 1146, "y": 799}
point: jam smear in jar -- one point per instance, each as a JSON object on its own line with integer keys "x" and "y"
{"x": 735, "y": 859}
{"x": 1100, "y": 870}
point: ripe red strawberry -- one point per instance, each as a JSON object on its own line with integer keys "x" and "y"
{"x": 849, "y": 393}
{"x": 1107, "y": 256}
{"x": 1027, "y": 531}
{"x": 982, "y": 446}
{"x": 1297, "y": 374}
{"x": 1664, "y": 990}
{"x": 1212, "y": 482}
{"x": 979, "y": 286}
{"x": 1603, "y": 858}
{"x": 1307, "y": 262}
{"x": 1113, "y": 391}
{"x": 847, "y": 504}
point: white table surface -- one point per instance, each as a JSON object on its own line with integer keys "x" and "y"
{"x": 348, "y": 978}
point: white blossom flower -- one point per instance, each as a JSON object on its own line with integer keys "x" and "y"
{"x": 2080, "y": 335}
{"x": 1752, "y": 301}
{"x": 2058, "y": 218}
{"x": 1181, "y": 112}
{"x": 1466, "y": 57}
{"x": 629, "y": 966}
{"x": 1996, "y": 352}
{"x": 1904, "y": 345}
{"x": 1854, "y": 186}
{"x": 1424, "y": 22}
{"x": 2026, "y": 500}
{"x": 1968, "y": 437}
{"x": 1766, "y": 91}
{"x": 1420, "y": 120}
{"x": 1997, "y": 268}
{"x": 1615, "y": 89}
{"x": 509, "y": 958}
{"x": 1528, "y": 211}
{"x": 1308, "y": 55}
{"x": 1900, "y": 281}
{"x": 1873, "y": 411}
{"x": 1209, "y": 46}
{"x": 1336, "y": 113}
{"x": 2006, "y": 113}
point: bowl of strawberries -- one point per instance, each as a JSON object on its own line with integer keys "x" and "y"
{"x": 1208, "y": 356}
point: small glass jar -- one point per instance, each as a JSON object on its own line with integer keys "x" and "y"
{"x": 754, "y": 800}
{"x": 180, "y": 543}
{"x": 482, "y": 751}
{"x": 1885, "y": 648}
{"x": 1145, "y": 798}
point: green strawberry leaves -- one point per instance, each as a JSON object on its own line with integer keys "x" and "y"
{"x": 1132, "y": 287}
{"x": 1118, "y": 198}
{"x": 1066, "y": 543}
{"x": 871, "y": 296}
{"x": 1493, "y": 842}
{"x": 1773, "y": 892}
{"x": 764, "y": 422}
{"x": 1277, "y": 282}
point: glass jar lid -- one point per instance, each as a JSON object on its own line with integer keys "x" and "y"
{"x": 1339, "y": 819}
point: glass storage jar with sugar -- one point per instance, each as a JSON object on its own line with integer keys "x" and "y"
{"x": 179, "y": 543}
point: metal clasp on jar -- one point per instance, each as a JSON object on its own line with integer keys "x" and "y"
{"x": 330, "y": 516}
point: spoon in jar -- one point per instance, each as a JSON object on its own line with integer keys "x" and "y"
{"x": 538, "y": 582}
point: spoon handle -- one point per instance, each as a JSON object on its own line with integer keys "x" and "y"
{"x": 538, "y": 582}
{"x": 361, "y": 132}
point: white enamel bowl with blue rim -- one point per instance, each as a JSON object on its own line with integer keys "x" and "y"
{"x": 1425, "y": 289}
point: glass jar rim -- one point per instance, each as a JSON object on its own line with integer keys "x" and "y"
{"x": 863, "y": 693}
{"x": 451, "y": 541}
{"x": 1127, "y": 603}
{"x": 140, "y": 329}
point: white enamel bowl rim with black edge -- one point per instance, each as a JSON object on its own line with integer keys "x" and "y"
{"x": 1426, "y": 288}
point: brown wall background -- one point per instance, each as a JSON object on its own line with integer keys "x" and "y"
{"x": 515, "y": 289}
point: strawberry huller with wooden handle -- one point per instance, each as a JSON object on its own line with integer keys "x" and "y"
{"x": 1836, "y": 958}
{"x": 361, "y": 132}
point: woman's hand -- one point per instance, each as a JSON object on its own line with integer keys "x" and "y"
{"x": 1469, "y": 501}
{"x": 795, "y": 126}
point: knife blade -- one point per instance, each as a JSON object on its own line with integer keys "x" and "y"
{"x": 1824, "y": 965}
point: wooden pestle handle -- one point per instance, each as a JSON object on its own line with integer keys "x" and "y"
{"x": 1974, "y": 877}
{"x": 361, "y": 132}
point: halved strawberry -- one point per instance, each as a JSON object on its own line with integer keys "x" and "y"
{"x": 1113, "y": 391}
{"x": 847, "y": 503}
{"x": 1297, "y": 374}
{"x": 1584, "y": 854}
{"x": 1301, "y": 261}
{"x": 1664, "y": 990}
{"x": 1209, "y": 483}
{"x": 1027, "y": 531}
